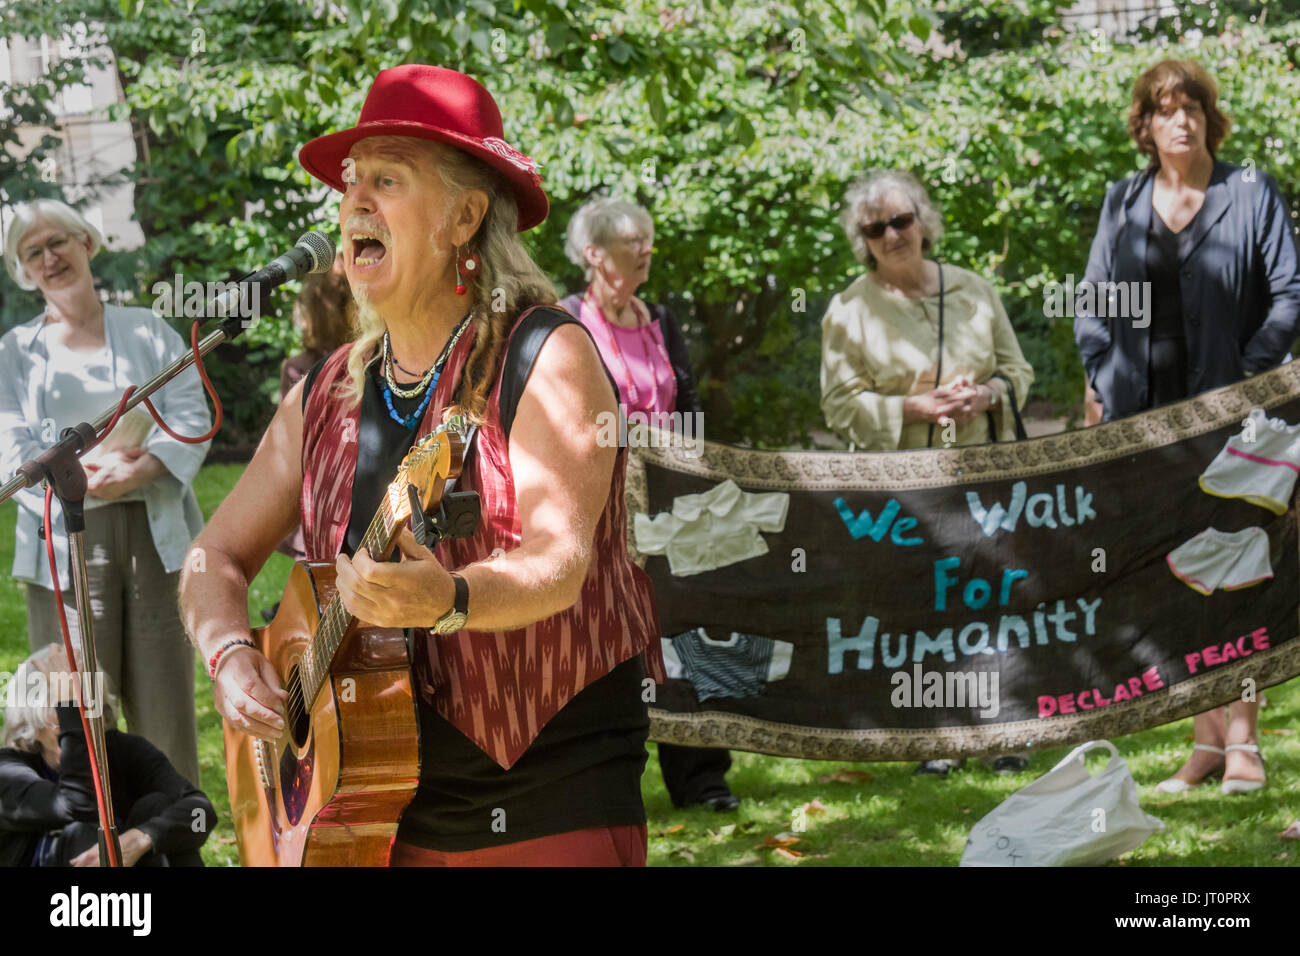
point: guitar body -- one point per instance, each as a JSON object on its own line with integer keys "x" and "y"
{"x": 331, "y": 790}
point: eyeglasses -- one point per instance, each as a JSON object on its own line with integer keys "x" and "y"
{"x": 57, "y": 245}
{"x": 636, "y": 241}
{"x": 874, "y": 230}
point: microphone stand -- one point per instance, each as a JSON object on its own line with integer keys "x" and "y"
{"x": 60, "y": 467}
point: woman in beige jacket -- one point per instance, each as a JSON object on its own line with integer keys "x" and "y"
{"x": 884, "y": 384}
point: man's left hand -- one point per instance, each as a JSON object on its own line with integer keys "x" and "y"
{"x": 414, "y": 592}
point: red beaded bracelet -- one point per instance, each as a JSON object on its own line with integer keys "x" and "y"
{"x": 213, "y": 661}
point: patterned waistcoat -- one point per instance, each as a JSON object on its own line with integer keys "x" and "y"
{"x": 499, "y": 688}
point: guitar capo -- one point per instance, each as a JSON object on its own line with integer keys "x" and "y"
{"x": 457, "y": 516}
{"x": 458, "y": 512}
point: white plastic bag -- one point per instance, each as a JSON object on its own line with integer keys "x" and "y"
{"x": 1067, "y": 817}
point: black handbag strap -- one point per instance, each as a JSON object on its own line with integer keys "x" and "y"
{"x": 1021, "y": 434}
{"x": 938, "y": 374}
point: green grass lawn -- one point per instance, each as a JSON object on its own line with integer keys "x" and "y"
{"x": 891, "y": 819}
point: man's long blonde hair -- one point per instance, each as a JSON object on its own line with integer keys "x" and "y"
{"x": 507, "y": 283}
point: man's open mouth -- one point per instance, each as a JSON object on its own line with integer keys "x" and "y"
{"x": 366, "y": 249}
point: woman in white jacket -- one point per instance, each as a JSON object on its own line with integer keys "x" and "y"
{"x": 68, "y": 365}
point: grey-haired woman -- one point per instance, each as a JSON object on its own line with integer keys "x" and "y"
{"x": 642, "y": 346}
{"x": 47, "y": 795}
{"x": 66, "y": 366}
{"x": 885, "y": 385}
{"x": 915, "y": 353}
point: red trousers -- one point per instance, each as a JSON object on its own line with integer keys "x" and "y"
{"x": 598, "y": 846}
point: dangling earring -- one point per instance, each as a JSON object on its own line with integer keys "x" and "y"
{"x": 470, "y": 263}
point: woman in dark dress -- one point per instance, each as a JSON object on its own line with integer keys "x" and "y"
{"x": 1215, "y": 243}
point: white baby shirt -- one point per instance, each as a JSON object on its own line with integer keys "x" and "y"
{"x": 1262, "y": 471}
{"x": 1222, "y": 559}
{"x": 713, "y": 529}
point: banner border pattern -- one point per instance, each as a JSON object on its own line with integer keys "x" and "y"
{"x": 968, "y": 464}
{"x": 1184, "y": 699}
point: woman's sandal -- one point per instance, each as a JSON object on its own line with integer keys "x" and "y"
{"x": 1177, "y": 784}
{"x": 1233, "y": 785}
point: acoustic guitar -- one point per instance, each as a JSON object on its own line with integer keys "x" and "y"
{"x": 331, "y": 790}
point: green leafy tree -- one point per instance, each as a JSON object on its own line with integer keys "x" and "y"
{"x": 223, "y": 93}
{"x": 737, "y": 127}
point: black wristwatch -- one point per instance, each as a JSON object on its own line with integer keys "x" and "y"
{"x": 455, "y": 619}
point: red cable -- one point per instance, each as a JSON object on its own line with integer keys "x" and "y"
{"x": 114, "y": 859}
{"x": 95, "y": 771}
{"x": 207, "y": 385}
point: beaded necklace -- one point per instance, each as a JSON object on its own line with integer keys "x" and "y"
{"x": 427, "y": 385}
{"x": 412, "y": 391}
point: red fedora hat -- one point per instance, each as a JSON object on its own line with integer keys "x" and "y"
{"x": 432, "y": 102}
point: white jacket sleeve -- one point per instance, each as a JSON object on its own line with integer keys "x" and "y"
{"x": 20, "y": 439}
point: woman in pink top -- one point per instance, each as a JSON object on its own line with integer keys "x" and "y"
{"x": 642, "y": 346}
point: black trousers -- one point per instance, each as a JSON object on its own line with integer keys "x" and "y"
{"x": 76, "y": 838}
{"x": 694, "y": 774}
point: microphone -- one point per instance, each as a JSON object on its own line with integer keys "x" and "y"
{"x": 240, "y": 302}
{"x": 313, "y": 253}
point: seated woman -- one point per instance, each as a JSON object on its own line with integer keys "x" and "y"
{"x": 48, "y": 814}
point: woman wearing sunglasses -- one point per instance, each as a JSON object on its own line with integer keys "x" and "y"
{"x": 884, "y": 385}
{"x": 915, "y": 354}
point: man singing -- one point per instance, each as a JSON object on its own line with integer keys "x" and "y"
{"x": 532, "y": 716}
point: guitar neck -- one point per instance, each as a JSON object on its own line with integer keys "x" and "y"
{"x": 379, "y": 541}
{"x": 419, "y": 483}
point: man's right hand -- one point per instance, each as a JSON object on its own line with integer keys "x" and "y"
{"x": 248, "y": 695}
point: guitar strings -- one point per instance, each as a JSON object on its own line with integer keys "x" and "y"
{"x": 333, "y": 623}
{"x": 334, "y": 620}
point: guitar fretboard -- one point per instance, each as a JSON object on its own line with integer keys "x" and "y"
{"x": 335, "y": 620}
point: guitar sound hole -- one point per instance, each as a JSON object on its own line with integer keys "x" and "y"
{"x": 299, "y": 722}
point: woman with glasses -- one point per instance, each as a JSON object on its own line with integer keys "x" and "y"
{"x": 68, "y": 365}
{"x": 643, "y": 349}
{"x": 642, "y": 345}
{"x": 885, "y": 384}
